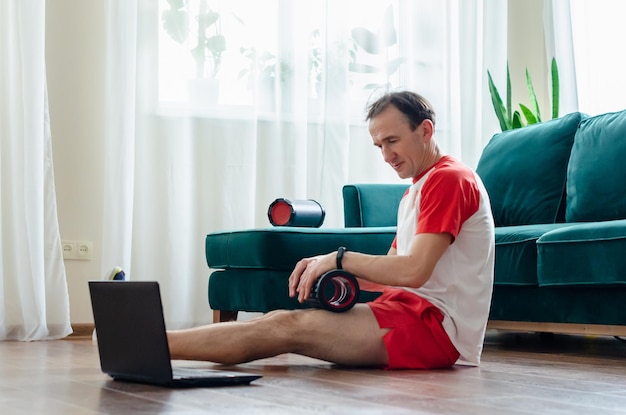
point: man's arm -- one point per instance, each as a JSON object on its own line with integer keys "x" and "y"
{"x": 412, "y": 270}
{"x": 372, "y": 286}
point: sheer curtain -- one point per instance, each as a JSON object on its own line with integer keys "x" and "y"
{"x": 585, "y": 36}
{"x": 559, "y": 44}
{"x": 280, "y": 115}
{"x": 34, "y": 303}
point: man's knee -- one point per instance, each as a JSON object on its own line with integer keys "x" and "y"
{"x": 287, "y": 319}
{"x": 292, "y": 325}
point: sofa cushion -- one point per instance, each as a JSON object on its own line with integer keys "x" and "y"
{"x": 257, "y": 290}
{"x": 596, "y": 187}
{"x": 280, "y": 248}
{"x": 583, "y": 254}
{"x": 372, "y": 204}
{"x": 524, "y": 171}
{"x": 516, "y": 253}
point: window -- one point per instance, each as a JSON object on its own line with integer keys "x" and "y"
{"x": 271, "y": 53}
{"x": 201, "y": 49}
{"x": 598, "y": 30}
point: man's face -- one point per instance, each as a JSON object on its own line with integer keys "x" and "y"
{"x": 404, "y": 150}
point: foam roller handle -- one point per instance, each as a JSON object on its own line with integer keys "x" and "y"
{"x": 336, "y": 290}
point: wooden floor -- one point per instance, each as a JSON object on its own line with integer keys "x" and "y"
{"x": 520, "y": 374}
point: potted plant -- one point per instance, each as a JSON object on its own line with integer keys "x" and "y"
{"x": 209, "y": 41}
{"x": 375, "y": 43}
{"x": 265, "y": 72}
{"x": 510, "y": 119}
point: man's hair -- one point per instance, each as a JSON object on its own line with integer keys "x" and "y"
{"x": 415, "y": 107}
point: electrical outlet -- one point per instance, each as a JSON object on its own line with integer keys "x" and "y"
{"x": 69, "y": 249}
{"x": 84, "y": 250}
{"x": 81, "y": 250}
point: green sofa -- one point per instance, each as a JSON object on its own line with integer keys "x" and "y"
{"x": 252, "y": 266}
{"x": 558, "y": 194}
{"x": 558, "y": 197}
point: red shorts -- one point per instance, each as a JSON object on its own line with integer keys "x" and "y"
{"x": 417, "y": 339}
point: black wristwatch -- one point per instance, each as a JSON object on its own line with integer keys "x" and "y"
{"x": 340, "y": 251}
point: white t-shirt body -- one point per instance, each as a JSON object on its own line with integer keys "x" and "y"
{"x": 451, "y": 198}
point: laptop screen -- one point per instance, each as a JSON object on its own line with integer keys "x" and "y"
{"x": 130, "y": 329}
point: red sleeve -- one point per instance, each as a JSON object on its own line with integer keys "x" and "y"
{"x": 450, "y": 196}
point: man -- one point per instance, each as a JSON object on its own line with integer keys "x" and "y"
{"x": 437, "y": 275}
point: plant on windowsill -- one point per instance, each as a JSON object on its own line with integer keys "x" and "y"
{"x": 209, "y": 45}
{"x": 510, "y": 119}
{"x": 375, "y": 43}
{"x": 266, "y": 64}
{"x": 265, "y": 72}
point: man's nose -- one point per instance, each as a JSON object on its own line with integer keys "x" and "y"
{"x": 388, "y": 156}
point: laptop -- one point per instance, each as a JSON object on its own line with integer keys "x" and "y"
{"x": 132, "y": 342}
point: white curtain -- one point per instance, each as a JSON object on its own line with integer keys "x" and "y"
{"x": 586, "y": 37}
{"x": 559, "y": 44}
{"x": 283, "y": 117}
{"x": 34, "y": 303}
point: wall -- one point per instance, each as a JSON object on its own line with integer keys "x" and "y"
{"x": 75, "y": 45}
{"x": 526, "y": 49}
{"x": 74, "y": 65}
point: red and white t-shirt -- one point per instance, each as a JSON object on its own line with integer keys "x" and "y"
{"x": 451, "y": 198}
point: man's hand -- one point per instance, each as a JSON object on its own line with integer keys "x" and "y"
{"x": 306, "y": 273}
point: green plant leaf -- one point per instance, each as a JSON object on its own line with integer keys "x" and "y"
{"x": 394, "y": 64}
{"x": 533, "y": 98}
{"x": 176, "y": 24}
{"x": 388, "y": 30}
{"x": 517, "y": 120}
{"x": 498, "y": 106}
{"x": 528, "y": 114}
{"x": 555, "y": 89}
{"x": 509, "y": 105}
{"x": 374, "y": 86}
{"x": 362, "y": 68}
{"x": 207, "y": 19}
{"x": 243, "y": 72}
{"x": 198, "y": 54}
{"x": 216, "y": 44}
{"x": 176, "y": 4}
{"x": 249, "y": 53}
{"x": 366, "y": 40}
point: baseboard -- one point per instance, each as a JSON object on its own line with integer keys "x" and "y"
{"x": 565, "y": 328}
{"x": 82, "y": 330}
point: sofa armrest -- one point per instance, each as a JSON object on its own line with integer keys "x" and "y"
{"x": 372, "y": 204}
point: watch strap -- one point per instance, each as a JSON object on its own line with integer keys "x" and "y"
{"x": 340, "y": 251}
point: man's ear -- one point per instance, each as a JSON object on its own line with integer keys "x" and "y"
{"x": 429, "y": 129}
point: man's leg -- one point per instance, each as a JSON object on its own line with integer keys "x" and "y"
{"x": 350, "y": 338}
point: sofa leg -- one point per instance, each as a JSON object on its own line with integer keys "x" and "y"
{"x": 221, "y": 316}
